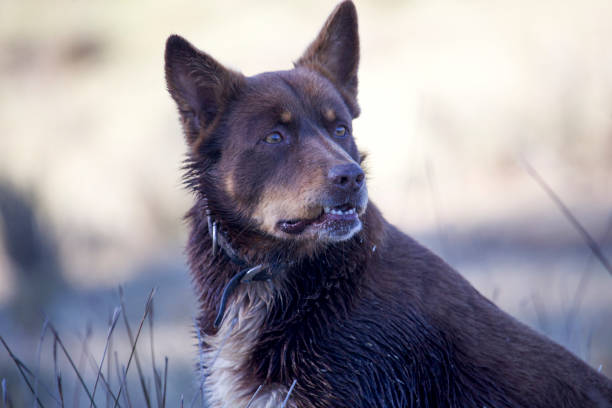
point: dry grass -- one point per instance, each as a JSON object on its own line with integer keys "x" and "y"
{"x": 111, "y": 380}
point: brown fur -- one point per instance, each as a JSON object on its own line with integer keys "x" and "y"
{"x": 356, "y": 312}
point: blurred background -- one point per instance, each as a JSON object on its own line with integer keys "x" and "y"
{"x": 455, "y": 96}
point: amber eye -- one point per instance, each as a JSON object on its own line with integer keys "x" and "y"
{"x": 273, "y": 138}
{"x": 340, "y": 131}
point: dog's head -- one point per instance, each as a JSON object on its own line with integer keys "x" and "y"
{"x": 276, "y": 149}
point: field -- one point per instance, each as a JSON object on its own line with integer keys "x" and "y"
{"x": 458, "y": 99}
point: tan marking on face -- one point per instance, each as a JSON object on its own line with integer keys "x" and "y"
{"x": 289, "y": 203}
{"x": 329, "y": 115}
{"x": 301, "y": 199}
{"x": 285, "y": 117}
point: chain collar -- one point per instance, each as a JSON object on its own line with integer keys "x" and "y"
{"x": 247, "y": 274}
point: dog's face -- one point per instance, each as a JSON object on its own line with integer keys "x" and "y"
{"x": 279, "y": 145}
{"x": 289, "y": 159}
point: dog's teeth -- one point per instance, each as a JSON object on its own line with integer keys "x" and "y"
{"x": 329, "y": 210}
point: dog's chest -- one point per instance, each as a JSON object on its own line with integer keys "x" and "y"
{"x": 227, "y": 381}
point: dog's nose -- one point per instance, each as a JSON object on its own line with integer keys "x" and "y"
{"x": 348, "y": 177}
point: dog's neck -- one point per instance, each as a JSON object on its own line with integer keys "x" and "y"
{"x": 237, "y": 251}
{"x": 221, "y": 246}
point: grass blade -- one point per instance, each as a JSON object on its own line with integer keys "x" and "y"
{"x": 108, "y": 338}
{"x": 38, "y": 356}
{"x": 254, "y": 396}
{"x": 76, "y": 371}
{"x": 5, "y": 394}
{"x": 289, "y": 393}
{"x": 109, "y": 374}
{"x": 145, "y": 391}
{"x": 58, "y": 375}
{"x": 165, "y": 381}
{"x": 122, "y": 382}
{"x": 20, "y": 367}
{"x": 146, "y": 312}
{"x": 26, "y": 370}
{"x": 156, "y": 376}
{"x": 59, "y": 387}
{"x": 94, "y": 366}
{"x": 588, "y": 239}
{"x": 82, "y": 367}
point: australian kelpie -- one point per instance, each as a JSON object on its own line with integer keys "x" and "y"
{"x": 303, "y": 283}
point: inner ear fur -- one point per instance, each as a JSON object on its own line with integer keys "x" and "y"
{"x": 200, "y": 86}
{"x": 335, "y": 52}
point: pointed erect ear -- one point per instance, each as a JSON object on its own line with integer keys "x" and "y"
{"x": 335, "y": 51}
{"x": 201, "y": 87}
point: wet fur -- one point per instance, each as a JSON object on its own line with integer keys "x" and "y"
{"x": 373, "y": 321}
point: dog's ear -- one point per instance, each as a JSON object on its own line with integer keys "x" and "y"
{"x": 201, "y": 87}
{"x": 335, "y": 51}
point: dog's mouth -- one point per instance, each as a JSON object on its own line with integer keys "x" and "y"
{"x": 340, "y": 217}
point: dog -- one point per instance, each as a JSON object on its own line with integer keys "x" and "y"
{"x": 308, "y": 297}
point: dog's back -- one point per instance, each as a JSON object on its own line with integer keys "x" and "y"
{"x": 302, "y": 282}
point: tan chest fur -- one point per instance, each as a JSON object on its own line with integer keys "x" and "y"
{"x": 226, "y": 382}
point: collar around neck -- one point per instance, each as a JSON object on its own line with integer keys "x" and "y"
{"x": 247, "y": 273}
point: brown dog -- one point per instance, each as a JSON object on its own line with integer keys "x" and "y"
{"x": 302, "y": 282}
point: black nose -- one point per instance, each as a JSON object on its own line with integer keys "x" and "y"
{"x": 348, "y": 177}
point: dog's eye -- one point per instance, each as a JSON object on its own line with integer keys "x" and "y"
{"x": 340, "y": 131}
{"x": 273, "y": 138}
